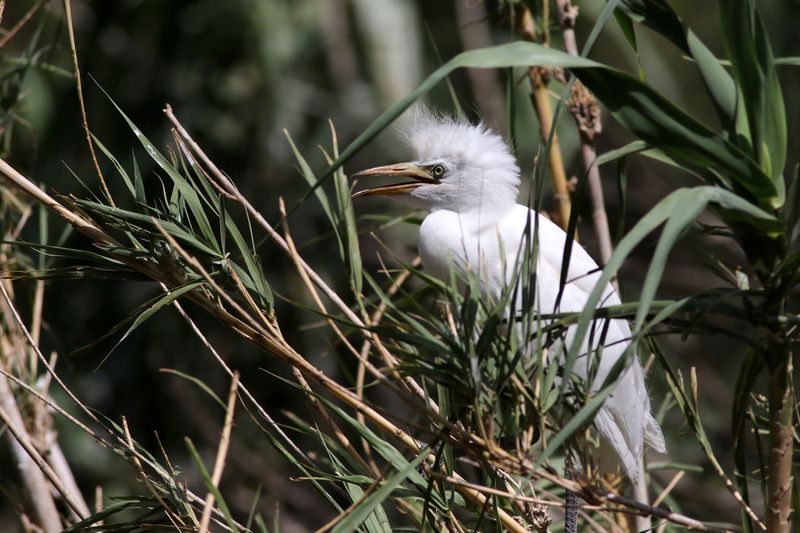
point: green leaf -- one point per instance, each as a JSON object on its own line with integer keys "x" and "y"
{"x": 353, "y": 520}
{"x": 636, "y": 105}
{"x": 659, "y": 17}
{"x": 659, "y": 123}
{"x": 582, "y": 418}
{"x": 187, "y": 191}
{"x": 754, "y": 68}
{"x": 682, "y": 199}
{"x": 119, "y": 167}
{"x": 628, "y": 31}
{"x": 312, "y": 180}
{"x": 347, "y": 219}
{"x": 147, "y": 221}
{"x": 723, "y": 90}
{"x": 205, "y": 388}
{"x": 168, "y": 298}
{"x": 749, "y": 372}
{"x": 212, "y": 488}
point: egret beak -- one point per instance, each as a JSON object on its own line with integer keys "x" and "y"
{"x": 404, "y": 170}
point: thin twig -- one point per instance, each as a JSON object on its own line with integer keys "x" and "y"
{"x": 172, "y": 515}
{"x": 502, "y": 493}
{"x": 24, "y": 440}
{"x": 297, "y": 260}
{"x": 363, "y": 358}
{"x": 73, "y": 49}
{"x": 586, "y": 111}
{"x": 58, "y": 461}
{"x": 675, "y": 518}
{"x": 331, "y": 423}
{"x": 671, "y": 485}
{"x": 242, "y": 387}
{"x": 98, "y": 502}
{"x": 21, "y": 23}
{"x": 44, "y": 361}
{"x": 222, "y": 452}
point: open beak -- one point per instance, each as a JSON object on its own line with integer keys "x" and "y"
{"x": 419, "y": 175}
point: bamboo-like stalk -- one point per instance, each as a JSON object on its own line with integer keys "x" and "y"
{"x": 21, "y": 23}
{"x": 79, "y": 87}
{"x": 781, "y": 411}
{"x": 34, "y": 481}
{"x": 584, "y": 108}
{"x": 222, "y": 452}
{"x": 541, "y": 102}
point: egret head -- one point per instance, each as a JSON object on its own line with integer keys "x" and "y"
{"x": 457, "y": 166}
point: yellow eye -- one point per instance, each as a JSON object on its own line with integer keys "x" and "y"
{"x": 438, "y": 170}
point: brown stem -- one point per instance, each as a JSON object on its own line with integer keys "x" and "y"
{"x": 541, "y": 102}
{"x": 79, "y": 86}
{"x": 584, "y": 108}
{"x": 36, "y": 485}
{"x": 781, "y": 406}
{"x": 20, "y": 24}
{"x": 222, "y": 452}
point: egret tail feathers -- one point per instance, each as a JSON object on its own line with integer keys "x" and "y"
{"x": 653, "y": 436}
{"x": 614, "y": 444}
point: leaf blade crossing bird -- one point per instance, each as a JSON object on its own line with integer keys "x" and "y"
{"x": 467, "y": 180}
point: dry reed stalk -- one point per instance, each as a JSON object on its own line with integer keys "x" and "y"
{"x": 222, "y": 452}
{"x": 17, "y": 429}
{"x": 671, "y": 485}
{"x": 171, "y": 515}
{"x": 781, "y": 433}
{"x": 74, "y": 51}
{"x": 20, "y": 23}
{"x": 586, "y": 111}
{"x": 539, "y": 78}
{"x": 33, "y": 479}
{"x": 98, "y": 502}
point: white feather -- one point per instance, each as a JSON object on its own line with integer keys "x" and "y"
{"x": 475, "y": 223}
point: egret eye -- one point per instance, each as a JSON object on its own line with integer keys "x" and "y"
{"x": 438, "y": 170}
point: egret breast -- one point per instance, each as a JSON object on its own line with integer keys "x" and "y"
{"x": 449, "y": 239}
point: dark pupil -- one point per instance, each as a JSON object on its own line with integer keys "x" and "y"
{"x": 438, "y": 170}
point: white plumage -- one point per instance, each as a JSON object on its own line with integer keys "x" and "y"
{"x": 467, "y": 179}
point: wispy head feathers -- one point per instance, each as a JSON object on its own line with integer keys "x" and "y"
{"x": 483, "y": 169}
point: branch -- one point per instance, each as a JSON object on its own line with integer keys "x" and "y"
{"x": 584, "y": 108}
{"x": 539, "y": 78}
{"x": 222, "y": 451}
{"x": 70, "y": 31}
{"x": 36, "y": 485}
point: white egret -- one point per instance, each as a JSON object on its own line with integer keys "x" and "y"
{"x": 467, "y": 179}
